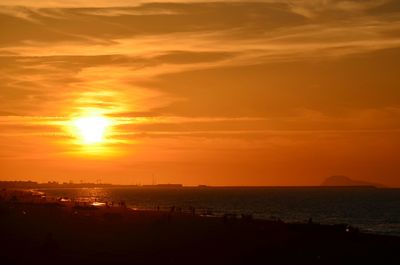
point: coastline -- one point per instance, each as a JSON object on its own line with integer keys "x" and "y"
{"x": 371, "y": 210}
{"x": 59, "y": 232}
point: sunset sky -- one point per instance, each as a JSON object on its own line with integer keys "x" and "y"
{"x": 200, "y": 92}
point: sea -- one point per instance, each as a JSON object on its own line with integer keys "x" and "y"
{"x": 372, "y": 210}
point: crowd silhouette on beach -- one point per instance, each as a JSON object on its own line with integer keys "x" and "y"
{"x": 67, "y": 231}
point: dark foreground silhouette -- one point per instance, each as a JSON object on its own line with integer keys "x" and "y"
{"x": 55, "y": 233}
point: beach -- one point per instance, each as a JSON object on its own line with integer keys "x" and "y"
{"x": 39, "y": 230}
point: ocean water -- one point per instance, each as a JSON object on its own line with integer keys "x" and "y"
{"x": 371, "y": 210}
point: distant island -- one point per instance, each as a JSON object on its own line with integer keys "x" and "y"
{"x": 343, "y": 181}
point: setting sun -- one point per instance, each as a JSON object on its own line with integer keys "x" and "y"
{"x": 92, "y": 129}
{"x": 228, "y": 93}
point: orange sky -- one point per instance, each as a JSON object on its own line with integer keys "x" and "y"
{"x": 201, "y": 92}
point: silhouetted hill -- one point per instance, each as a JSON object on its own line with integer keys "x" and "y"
{"x": 346, "y": 181}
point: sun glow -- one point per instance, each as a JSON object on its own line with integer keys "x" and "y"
{"x": 92, "y": 130}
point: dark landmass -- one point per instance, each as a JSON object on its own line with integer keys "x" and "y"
{"x": 332, "y": 182}
{"x": 53, "y": 184}
{"x": 343, "y": 181}
{"x": 36, "y": 229}
{"x": 163, "y": 186}
{"x": 50, "y": 184}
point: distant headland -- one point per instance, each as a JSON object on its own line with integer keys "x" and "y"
{"x": 343, "y": 181}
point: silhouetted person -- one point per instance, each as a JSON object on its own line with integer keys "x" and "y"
{"x": 14, "y": 198}
{"x": 50, "y": 245}
{"x": 247, "y": 218}
{"x": 225, "y": 218}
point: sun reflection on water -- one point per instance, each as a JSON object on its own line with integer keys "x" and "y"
{"x": 92, "y": 195}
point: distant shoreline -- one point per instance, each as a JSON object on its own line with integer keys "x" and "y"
{"x": 52, "y": 185}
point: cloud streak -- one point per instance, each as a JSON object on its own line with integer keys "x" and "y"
{"x": 201, "y": 82}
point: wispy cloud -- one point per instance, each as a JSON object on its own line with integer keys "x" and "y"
{"x": 205, "y": 81}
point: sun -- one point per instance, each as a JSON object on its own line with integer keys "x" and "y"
{"x": 92, "y": 129}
